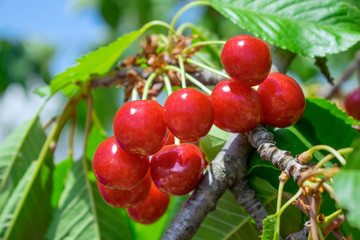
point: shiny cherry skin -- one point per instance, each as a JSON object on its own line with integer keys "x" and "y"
{"x": 115, "y": 168}
{"x": 352, "y": 104}
{"x": 151, "y": 209}
{"x": 189, "y": 114}
{"x": 237, "y": 107}
{"x": 177, "y": 169}
{"x": 126, "y": 198}
{"x": 139, "y": 127}
{"x": 282, "y": 99}
{"x": 246, "y": 59}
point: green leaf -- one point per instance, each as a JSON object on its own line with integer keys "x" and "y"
{"x": 309, "y": 28}
{"x": 346, "y": 187}
{"x": 95, "y": 63}
{"x": 269, "y": 227}
{"x": 60, "y": 173}
{"x": 353, "y": 161}
{"x": 83, "y": 214}
{"x": 28, "y": 208}
{"x": 213, "y": 142}
{"x": 229, "y": 221}
{"x": 17, "y": 153}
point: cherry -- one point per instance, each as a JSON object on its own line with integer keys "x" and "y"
{"x": 283, "y": 101}
{"x": 352, "y": 104}
{"x": 246, "y": 59}
{"x": 189, "y": 114}
{"x": 151, "y": 209}
{"x": 125, "y": 198}
{"x": 237, "y": 107}
{"x": 115, "y": 168}
{"x": 139, "y": 127}
{"x": 177, "y": 169}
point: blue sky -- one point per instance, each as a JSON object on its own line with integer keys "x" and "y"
{"x": 71, "y": 30}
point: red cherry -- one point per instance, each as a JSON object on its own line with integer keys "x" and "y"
{"x": 150, "y": 210}
{"x": 125, "y": 198}
{"x": 115, "y": 168}
{"x": 246, "y": 59}
{"x": 177, "y": 169}
{"x": 283, "y": 101}
{"x": 352, "y": 104}
{"x": 237, "y": 107}
{"x": 189, "y": 114}
{"x": 139, "y": 127}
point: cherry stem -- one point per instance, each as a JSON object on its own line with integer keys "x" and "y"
{"x": 48, "y": 123}
{"x": 203, "y": 43}
{"x": 329, "y": 149}
{"x": 331, "y": 156}
{"x": 97, "y": 123}
{"x": 198, "y": 32}
{"x": 134, "y": 94}
{"x": 85, "y": 161}
{"x": 159, "y": 23}
{"x": 203, "y": 66}
{"x": 329, "y": 219}
{"x": 167, "y": 84}
{"x": 204, "y": 60}
{"x": 183, "y": 9}
{"x": 282, "y": 180}
{"x": 148, "y": 84}
{"x": 283, "y": 208}
{"x": 190, "y": 78}
{"x": 182, "y": 68}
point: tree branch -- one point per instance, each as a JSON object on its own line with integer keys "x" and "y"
{"x": 221, "y": 173}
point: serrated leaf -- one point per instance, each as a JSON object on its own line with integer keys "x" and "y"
{"x": 83, "y": 214}
{"x": 269, "y": 228}
{"x": 346, "y": 188}
{"x": 17, "y": 153}
{"x": 309, "y": 28}
{"x": 98, "y": 62}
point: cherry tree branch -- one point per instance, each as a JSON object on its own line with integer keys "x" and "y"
{"x": 263, "y": 141}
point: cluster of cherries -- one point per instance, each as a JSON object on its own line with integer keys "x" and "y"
{"x": 128, "y": 179}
